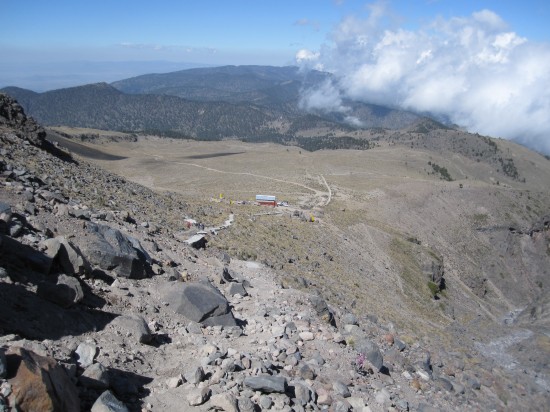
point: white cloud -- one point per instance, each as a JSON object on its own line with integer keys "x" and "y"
{"x": 474, "y": 70}
{"x": 324, "y": 97}
{"x": 308, "y": 60}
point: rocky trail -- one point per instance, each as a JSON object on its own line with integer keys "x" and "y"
{"x": 105, "y": 307}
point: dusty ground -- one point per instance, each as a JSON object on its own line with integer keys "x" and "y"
{"x": 379, "y": 214}
{"x": 374, "y": 198}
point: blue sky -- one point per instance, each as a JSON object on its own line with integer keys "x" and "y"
{"x": 42, "y": 34}
{"x": 483, "y": 64}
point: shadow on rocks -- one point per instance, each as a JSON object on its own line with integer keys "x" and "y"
{"x": 129, "y": 387}
{"x": 241, "y": 323}
{"x": 30, "y": 316}
{"x": 160, "y": 339}
{"x": 57, "y": 152}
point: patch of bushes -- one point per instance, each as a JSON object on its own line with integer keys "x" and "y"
{"x": 442, "y": 171}
{"x": 434, "y": 288}
{"x": 509, "y": 168}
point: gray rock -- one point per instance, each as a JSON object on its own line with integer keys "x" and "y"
{"x": 290, "y": 328}
{"x": 195, "y": 376}
{"x": 342, "y": 406}
{"x": 317, "y": 358}
{"x": 73, "y": 284}
{"x": 349, "y": 319}
{"x": 200, "y": 302}
{"x": 445, "y": 384}
{"x": 107, "y": 402}
{"x": 322, "y": 309}
{"x": 402, "y": 405}
{"x": 28, "y": 195}
{"x": 471, "y": 382}
{"x": 174, "y": 382}
{"x": 292, "y": 359}
{"x": 225, "y": 401}
{"x": 86, "y": 353}
{"x": 197, "y": 241}
{"x": 266, "y": 383}
{"x": 341, "y": 389}
{"x": 372, "y": 353}
{"x": 51, "y": 196}
{"x": 458, "y": 388}
{"x": 383, "y": 397}
{"x": 67, "y": 256}
{"x": 426, "y": 362}
{"x": 237, "y": 288}
{"x": 31, "y": 209}
{"x": 112, "y": 250}
{"x": 198, "y": 396}
{"x": 246, "y": 405}
{"x": 96, "y": 376}
{"x": 323, "y": 397}
{"x": 68, "y": 291}
{"x": 266, "y": 402}
{"x": 134, "y": 325}
{"x": 356, "y": 403}
{"x": 399, "y": 344}
{"x": 306, "y": 372}
{"x": 80, "y": 214}
{"x": 302, "y": 393}
{"x": 65, "y": 293}
{"x": 194, "y": 327}
{"x": 223, "y": 320}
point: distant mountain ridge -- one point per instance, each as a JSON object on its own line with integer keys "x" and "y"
{"x": 207, "y": 103}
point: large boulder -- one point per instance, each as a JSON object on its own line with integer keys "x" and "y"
{"x": 67, "y": 256}
{"x": 372, "y": 353}
{"x": 65, "y": 293}
{"x": 110, "y": 249}
{"x": 200, "y": 302}
{"x": 39, "y": 383}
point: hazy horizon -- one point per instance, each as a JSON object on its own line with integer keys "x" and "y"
{"x": 484, "y": 65}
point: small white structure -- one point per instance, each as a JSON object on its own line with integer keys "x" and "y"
{"x": 266, "y": 200}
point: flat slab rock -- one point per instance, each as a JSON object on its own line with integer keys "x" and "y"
{"x": 267, "y": 383}
{"x": 200, "y": 302}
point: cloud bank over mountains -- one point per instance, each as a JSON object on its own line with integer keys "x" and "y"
{"x": 474, "y": 70}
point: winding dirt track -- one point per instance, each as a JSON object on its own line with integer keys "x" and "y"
{"x": 317, "y": 193}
